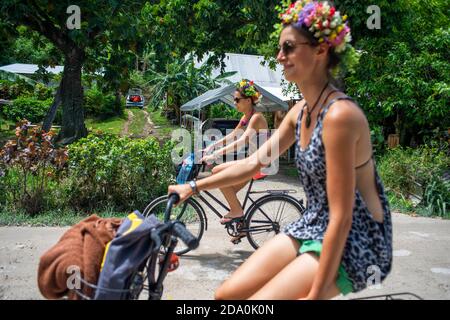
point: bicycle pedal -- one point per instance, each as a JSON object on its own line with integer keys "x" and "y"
{"x": 236, "y": 241}
{"x": 238, "y": 238}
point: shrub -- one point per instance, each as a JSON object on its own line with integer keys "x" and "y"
{"x": 419, "y": 173}
{"x": 27, "y": 107}
{"x": 29, "y": 164}
{"x": 4, "y": 89}
{"x": 107, "y": 171}
{"x": 223, "y": 111}
{"x": 10, "y": 90}
{"x": 99, "y": 104}
{"x": 42, "y": 92}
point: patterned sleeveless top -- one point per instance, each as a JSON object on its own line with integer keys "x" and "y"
{"x": 367, "y": 255}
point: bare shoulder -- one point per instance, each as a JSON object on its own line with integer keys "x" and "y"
{"x": 294, "y": 113}
{"x": 345, "y": 113}
{"x": 258, "y": 120}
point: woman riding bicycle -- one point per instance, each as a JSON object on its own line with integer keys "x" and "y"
{"x": 347, "y": 222}
{"x": 251, "y": 129}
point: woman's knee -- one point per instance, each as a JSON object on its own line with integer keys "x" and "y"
{"x": 217, "y": 169}
{"x": 227, "y": 291}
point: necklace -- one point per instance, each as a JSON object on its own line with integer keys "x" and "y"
{"x": 245, "y": 121}
{"x": 308, "y": 112}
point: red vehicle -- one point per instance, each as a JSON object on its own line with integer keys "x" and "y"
{"x": 135, "y": 98}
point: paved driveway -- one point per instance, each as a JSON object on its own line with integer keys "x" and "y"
{"x": 421, "y": 258}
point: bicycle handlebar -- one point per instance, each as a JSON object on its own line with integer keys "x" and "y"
{"x": 178, "y": 229}
{"x": 173, "y": 199}
{"x": 181, "y": 232}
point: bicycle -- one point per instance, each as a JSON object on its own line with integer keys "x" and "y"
{"x": 149, "y": 277}
{"x": 392, "y": 296}
{"x": 263, "y": 218}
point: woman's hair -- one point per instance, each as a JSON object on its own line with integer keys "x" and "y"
{"x": 247, "y": 89}
{"x": 333, "y": 58}
{"x": 320, "y": 22}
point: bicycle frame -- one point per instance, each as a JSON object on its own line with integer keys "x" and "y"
{"x": 212, "y": 197}
{"x": 155, "y": 286}
{"x": 247, "y": 199}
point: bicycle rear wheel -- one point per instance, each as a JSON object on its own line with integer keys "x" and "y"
{"x": 188, "y": 212}
{"x": 269, "y": 215}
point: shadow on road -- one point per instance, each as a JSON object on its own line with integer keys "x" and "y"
{"x": 229, "y": 261}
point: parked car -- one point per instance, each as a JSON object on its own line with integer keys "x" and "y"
{"x": 135, "y": 98}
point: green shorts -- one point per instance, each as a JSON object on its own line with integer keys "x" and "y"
{"x": 343, "y": 282}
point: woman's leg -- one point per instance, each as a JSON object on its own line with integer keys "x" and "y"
{"x": 259, "y": 268}
{"x": 294, "y": 281}
{"x": 230, "y": 194}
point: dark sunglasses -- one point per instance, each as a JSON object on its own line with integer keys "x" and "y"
{"x": 238, "y": 99}
{"x": 288, "y": 47}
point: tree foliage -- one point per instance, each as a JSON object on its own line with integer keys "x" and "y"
{"x": 402, "y": 80}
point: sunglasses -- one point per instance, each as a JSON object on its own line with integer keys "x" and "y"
{"x": 288, "y": 47}
{"x": 238, "y": 99}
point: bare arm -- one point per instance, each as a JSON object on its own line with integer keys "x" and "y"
{"x": 244, "y": 169}
{"x": 243, "y": 139}
{"x": 340, "y": 136}
{"x": 227, "y": 138}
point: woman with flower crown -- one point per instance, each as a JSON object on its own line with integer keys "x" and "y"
{"x": 343, "y": 241}
{"x": 252, "y": 125}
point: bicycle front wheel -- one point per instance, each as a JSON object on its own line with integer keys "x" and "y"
{"x": 269, "y": 215}
{"x": 188, "y": 212}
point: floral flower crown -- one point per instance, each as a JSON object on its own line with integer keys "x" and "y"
{"x": 322, "y": 20}
{"x": 248, "y": 88}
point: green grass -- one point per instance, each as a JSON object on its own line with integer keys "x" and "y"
{"x": 53, "y": 218}
{"x": 158, "y": 119}
{"x": 163, "y": 126}
{"x": 137, "y": 125}
{"x": 112, "y": 125}
{"x": 5, "y": 132}
{"x": 399, "y": 204}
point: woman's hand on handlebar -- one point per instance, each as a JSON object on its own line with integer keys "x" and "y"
{"x": 183, "y": 190}
{"x": 208, "y": 159}
{"x": 208, "y": 149}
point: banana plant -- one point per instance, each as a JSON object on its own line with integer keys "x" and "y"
{"x": 181, "y": 82}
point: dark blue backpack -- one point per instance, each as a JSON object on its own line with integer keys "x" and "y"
{"x": 124, "y": 255}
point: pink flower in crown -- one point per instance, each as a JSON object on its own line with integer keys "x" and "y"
{"x": 332, "y": 11}
{"x": 322, "y": 20}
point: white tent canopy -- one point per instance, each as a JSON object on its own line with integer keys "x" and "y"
{"x": 268, "y": 103}
{"x": 246, "y": 66}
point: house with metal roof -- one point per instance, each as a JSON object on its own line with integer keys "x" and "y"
{"x": 29, "y": 69}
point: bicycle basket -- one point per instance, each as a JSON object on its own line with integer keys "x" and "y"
{"x": 124, "y": 257}
{"x": 88, "y": 291}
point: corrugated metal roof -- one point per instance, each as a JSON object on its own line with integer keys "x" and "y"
{"x": 24, "y": 68}
{"x": 268, "y": 103}
{"x": 249, "y": 67}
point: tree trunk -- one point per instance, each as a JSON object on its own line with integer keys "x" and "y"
{"x": 72, "y": 127}
{"x": 50, "y": 116}
{"x": 118, "y": 102}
